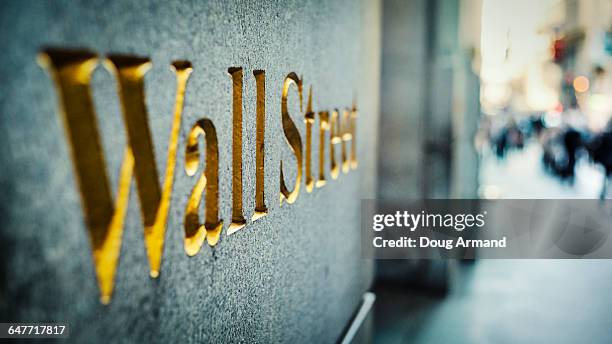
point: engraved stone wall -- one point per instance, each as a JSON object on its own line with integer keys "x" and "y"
{"x": 295, "y": 275}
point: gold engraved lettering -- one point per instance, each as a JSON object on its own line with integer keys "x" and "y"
{"x": 323, "y": 127}
{"x": 346, "y": 134}
{"x": 238, "y": 220}
{"x": 195, "y": 232}
{"x": 335, "y": 138}
{"x": 309, "y": 120}
{"x": 72, "y": 72}
{"x": 292, "y": 136}
{"x": 104, "y": 216}
{"x": 260, "y": 202}
{"x": 353, "y": 128}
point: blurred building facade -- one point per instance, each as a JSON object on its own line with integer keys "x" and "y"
{"x": 430, "y": 110}
{"x": 429, "y": 99}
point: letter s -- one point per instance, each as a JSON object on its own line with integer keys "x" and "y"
{"x": 292, "y": 135}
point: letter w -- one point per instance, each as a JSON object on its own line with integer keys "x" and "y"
{"x": 104, "y": 217}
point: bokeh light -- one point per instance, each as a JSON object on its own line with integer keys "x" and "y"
{"x": 581, "y": 84}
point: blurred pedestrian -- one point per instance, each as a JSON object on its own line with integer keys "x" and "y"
{"x": 600, "y": 149}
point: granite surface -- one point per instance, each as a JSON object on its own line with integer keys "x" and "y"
{"x": 295, "y": 275}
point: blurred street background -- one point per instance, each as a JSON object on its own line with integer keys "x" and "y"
{"x": 495, "y": 99}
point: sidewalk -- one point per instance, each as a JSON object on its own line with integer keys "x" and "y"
{"x": 521, "y": 175}
{"x": 510, "y": 301}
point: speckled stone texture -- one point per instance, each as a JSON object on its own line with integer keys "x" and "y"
{"x": 295, "y": 275}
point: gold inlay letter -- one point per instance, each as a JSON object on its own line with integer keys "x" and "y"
{"x": 260, "y": 202}
{"x": 353, "y": 129}
{"x": 346, "y": 135}
{"x": 335, "y": 138}
{"x": 238, "y": 220}
{"x": 292, "y": 136}
{"x": 104, "y": 218}
{"x": 323, "y": 127}
{"x": 309, "y": 118}
{"x": 195, "y": 232}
